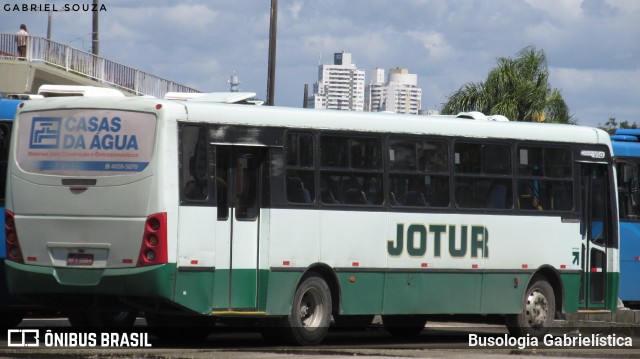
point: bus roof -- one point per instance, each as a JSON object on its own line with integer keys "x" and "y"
{"x": 8, "y": 108}
{"x": 74, "y": 90}
{"x": 247, "y": 98}
{"x": 626, "y": 142}
{"x": 274, "y": 116}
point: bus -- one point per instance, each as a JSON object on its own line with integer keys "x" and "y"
{"x": 297, "y": 218}
{"x": 626, "y": 149}
{"x": 12, "y": 309}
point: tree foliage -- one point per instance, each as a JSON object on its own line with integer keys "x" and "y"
{"x": 517, "y": 88}
{"x": 612, "y": 125}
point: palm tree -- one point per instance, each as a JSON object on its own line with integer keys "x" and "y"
{"x": 517, "y": 88}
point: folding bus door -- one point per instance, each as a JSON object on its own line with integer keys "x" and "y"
{"x": 597, "y": 234}
{"x": 239, "y": 170}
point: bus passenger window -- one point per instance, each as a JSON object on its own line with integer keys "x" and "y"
{"x": 351, "y": 171}
{"x": 544, "y": 179}
{"x": 483, "y": 176}
{"x": 628, "y": 191}
{"x": 300, "y": 168}
{"x": 195, "y": 172}
{"x": 419, "y": 173}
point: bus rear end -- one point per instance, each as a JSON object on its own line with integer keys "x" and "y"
{"x": 85, "y": 227}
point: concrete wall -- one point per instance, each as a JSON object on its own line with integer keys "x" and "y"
{"x": 26, "y": 77}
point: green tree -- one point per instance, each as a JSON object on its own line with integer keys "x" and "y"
{"x": 612, "y": 125}
{"x": 517, "y": 88}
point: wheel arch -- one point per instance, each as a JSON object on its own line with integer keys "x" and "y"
{"x": 552, "y": 276}
{"x": 331, "y": 278}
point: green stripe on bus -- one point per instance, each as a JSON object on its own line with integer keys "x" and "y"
{"x": 150, "y": 282}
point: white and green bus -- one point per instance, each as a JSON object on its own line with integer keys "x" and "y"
{"x": 292, "y": 217}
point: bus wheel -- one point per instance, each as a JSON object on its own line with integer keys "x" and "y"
{"x": 404, "y": 326}
{"x": 537, "y": 314}
{"x": 310, "y": 315}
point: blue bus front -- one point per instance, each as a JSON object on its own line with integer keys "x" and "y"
{"x": 626, "y": 149}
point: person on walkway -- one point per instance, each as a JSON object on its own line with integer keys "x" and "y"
{"x": 21, "y": 40}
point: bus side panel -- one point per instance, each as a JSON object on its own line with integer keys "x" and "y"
{"x": 630, "y": 261}
{"x": 354, "y": 244}
{"x": 361, "y": 291}
{"x": 432, "y": 268}
{"x": 292, "y": 245}
{"x": 571, "y": 286}
{"x": 294, "y": 238}
{"x": 196, "y": 259}
{"x": 432, "y": 293}
{"x": 517, "y": 251}
{"x": 501, "y": 294}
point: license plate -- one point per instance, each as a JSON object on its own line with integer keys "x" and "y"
{"x": 79, "y": 259}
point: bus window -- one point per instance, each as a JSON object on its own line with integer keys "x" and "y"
{"x": 419, "y": 173}
{"x": 351, "y": 170}
{"x": 483, "y": 176}
{"x": 195, "y": 173}
{"x": 628, "y": 191}
{"x": 544, "y": 179}
{"x": 300, "y": 172}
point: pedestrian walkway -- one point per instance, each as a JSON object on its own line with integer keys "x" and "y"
{"x": 104, "y": 72}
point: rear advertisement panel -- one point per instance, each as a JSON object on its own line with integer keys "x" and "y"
{"x": 85, "y": 142}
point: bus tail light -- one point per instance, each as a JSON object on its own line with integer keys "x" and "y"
{"x": 154, "y": 241}
{"x": 14, "y": 253}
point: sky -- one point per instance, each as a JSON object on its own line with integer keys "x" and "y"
{"x": 592, "y": 46}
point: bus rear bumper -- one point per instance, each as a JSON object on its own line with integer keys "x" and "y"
{"x": 55, "y": 286}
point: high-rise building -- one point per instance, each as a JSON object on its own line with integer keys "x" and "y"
{"x": 399, "y": 94}
{"x": 340, "y": 86}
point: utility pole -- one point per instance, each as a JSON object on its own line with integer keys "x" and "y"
{"x": 94, "y": 32}
{"x": 49, "y": 26}
{"x": 271, "y": 76}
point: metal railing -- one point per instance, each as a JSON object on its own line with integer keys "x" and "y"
{"x": 41, "y": 50}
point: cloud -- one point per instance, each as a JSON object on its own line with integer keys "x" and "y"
{"x": 595, "y": 95}
{"x": 294, "y": 9}
{"x": 562, "y": 10}
{"x": 434, "y": 42}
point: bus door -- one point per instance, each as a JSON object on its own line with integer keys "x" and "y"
{"x": 239, "y": 170}
{"x": 597, "y": 234}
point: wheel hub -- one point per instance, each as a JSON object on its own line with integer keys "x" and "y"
{"x": 536, "y": 309}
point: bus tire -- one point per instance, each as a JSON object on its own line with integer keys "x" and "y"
{"x": 404, "y": 326}
{"x": 537, "y": 314}
{"x": 310, "y": 316}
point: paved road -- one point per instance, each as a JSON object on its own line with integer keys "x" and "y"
{"x": 438, "y": 340}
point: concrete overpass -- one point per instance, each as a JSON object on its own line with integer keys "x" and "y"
{"x": 49, "y": 62}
